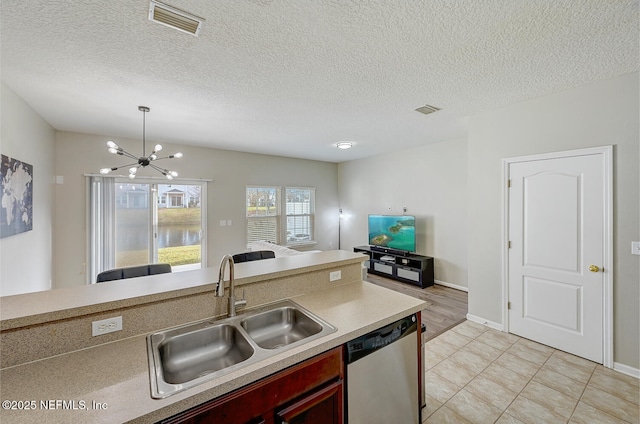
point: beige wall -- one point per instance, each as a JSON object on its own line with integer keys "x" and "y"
{"x": 605, "y": 113}
{"x": 431, "y": 181}
{"x": 79, "y": 154}
{"x": 25, "y": 259}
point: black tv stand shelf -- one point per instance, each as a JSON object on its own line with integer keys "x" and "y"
{"x": 401, "y": 266}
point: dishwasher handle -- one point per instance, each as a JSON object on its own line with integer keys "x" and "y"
{"x": 365, "y": 345}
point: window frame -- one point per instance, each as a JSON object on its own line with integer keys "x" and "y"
{"x": 263, "y": 221}
{"x": 310, "y": 215}
{"x": 280, "y": 216}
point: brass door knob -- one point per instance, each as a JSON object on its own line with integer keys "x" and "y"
{"x": 594, "y": 268}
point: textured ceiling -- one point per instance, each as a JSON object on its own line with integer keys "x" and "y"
{"x": 294, "y": 77}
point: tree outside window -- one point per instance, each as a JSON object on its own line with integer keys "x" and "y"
{"x": 266, "y": 222}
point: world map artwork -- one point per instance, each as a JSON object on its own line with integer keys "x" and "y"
{"x": 16, "y": 213}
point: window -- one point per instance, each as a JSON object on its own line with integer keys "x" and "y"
{"x": 146, "y": 222}
{"x": 266, "y": 222}
{"x": 263, "y": 214}
{"x": 300, "y": 212}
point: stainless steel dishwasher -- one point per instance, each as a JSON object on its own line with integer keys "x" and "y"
{"x": 382, "y": 375}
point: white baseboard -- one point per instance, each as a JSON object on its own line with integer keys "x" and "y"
{"x": 487, "y": 323}
{"x": 622, "y": 368}
{"x": 626, "y": 369}
{"x": 453, "y": 286}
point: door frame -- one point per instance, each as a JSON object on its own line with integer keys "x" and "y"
{"x": 607, "y": 292}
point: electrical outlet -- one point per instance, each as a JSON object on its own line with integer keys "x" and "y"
{"x": 635, "y": 247}
{"x": 105, "y": 326}
{"x": 335, "y": 275}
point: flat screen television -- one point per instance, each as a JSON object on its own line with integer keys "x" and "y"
{"x": 393, "y": 232}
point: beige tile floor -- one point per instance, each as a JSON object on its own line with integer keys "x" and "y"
{"x": 474, "y": 374}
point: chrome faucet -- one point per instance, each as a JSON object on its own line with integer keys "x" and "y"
{"x": 233, "y": 303}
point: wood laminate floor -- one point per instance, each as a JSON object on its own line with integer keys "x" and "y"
{"x": 447, "y": 307}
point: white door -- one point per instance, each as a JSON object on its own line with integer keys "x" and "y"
{"x": 557, "y": 234}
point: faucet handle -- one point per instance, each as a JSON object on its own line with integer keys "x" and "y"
{"x": 242, "y": 301}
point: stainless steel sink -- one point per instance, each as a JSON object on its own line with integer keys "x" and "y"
{"x": 279, "y": 327}
{"x": 191, "y": 354}
{"x": 185, "y": 357}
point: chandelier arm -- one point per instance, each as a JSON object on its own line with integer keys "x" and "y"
{"x": 164, "y": 157}
{"x": 153, "y": 153}
{"x": 123, "y": 166}
{"x": 129, "y": 155}
{"x": 160, "y": 170}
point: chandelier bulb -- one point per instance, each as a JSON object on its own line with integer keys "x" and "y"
{"x": 173, "y": 173}
{"x": 153, "y": 157}
{"x": 113, "y": 150}
{"x": 177, "y": 155}
{"x": 133, "y": 170}
{"x": 158, "y": 147}
{"x": 105, "y": 171}
{"x": 132, "y": 176}
{"x": 112, "y": 144}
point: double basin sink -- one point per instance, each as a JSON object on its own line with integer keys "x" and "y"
{"x": 189, "y": 355}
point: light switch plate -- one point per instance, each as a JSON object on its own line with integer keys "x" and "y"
{"x": 335, "y": 275}
{"x": 635, "y": 247}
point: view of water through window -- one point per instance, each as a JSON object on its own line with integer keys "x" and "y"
{"x": 170, "y": 235}
{"x": 174, "y": 238}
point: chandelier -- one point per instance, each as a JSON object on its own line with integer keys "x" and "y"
{"x": 144, "y": 160}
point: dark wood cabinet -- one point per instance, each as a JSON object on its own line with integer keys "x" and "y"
{"x": 407, "y": 267}
{"x": 321, "y": 406}
{"x": 310, "y": 392}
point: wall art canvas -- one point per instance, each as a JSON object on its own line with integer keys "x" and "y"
{"x": 16, "y": 213}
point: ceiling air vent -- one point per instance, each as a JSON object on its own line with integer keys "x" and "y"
{"x": 174, "y": 18}
{"x": 427, "y": 109}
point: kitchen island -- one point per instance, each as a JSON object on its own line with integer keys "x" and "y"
{"x": 109, "y": 382}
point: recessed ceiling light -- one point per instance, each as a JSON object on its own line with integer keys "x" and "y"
{"x": 344, "y": 145}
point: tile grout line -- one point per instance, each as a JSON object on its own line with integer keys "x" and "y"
{"x": 457, "y": 349}
{"x": 504, "y": 412}
{"x": 528, "y": 381}
{"x": 492, "y": 362}
{"x": 582, "y": 394}
{"x": 524, "y": 386}
{"x": 594, "y": 406}
{"x": 477, "y": 374}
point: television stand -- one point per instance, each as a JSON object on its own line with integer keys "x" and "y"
{"x": 401, "y": 266}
